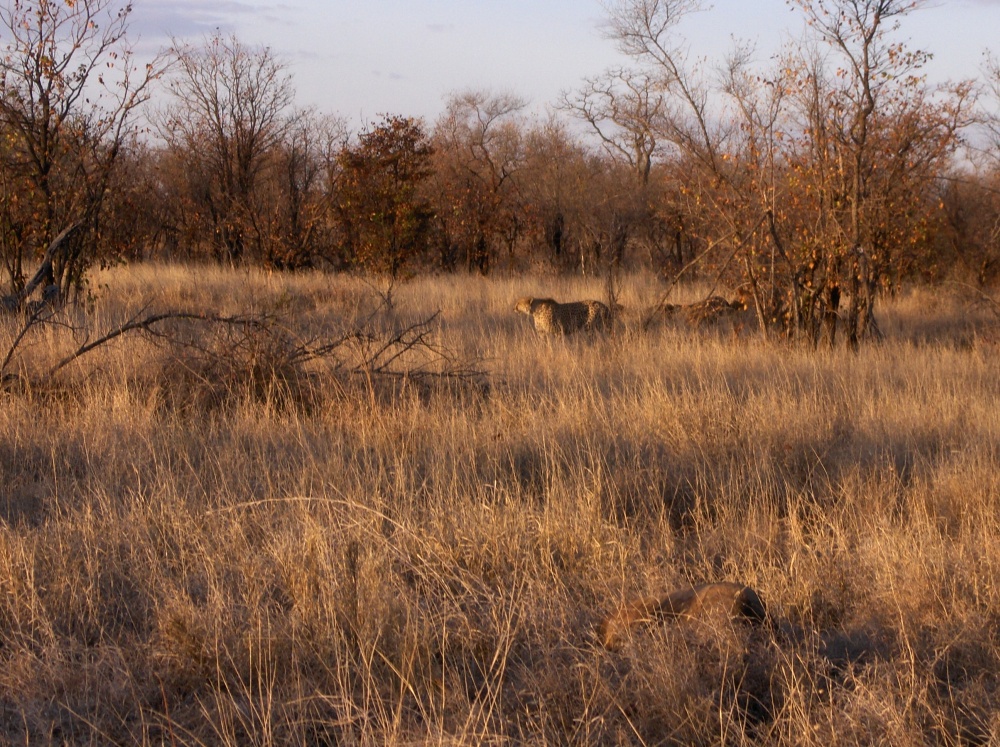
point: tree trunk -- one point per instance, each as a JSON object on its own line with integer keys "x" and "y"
{"x": 830, "y": 315}
{"x": 43, "y": 277}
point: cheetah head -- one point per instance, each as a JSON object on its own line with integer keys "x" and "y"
{"x": 523, "y": 305}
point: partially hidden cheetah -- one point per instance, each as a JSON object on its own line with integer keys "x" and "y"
{"x": 707, "y": 312}
{"x": 697, "y": 602}
{"x": 553, "y": 318}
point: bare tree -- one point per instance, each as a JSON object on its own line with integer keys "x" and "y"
{"x": 990, "y": 116}
{"x": 230, "y": 103}
{"x": 480, "y": 150}
{"x": 646, "y": 30}
{"x": 298, "y": 193}
{"x": 625, "y": 109}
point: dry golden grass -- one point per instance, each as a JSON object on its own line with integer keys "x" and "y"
{"x": 194, "y": 554}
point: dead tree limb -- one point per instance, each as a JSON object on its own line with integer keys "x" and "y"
{"x": 29, "y": 322}
{"x": 409, "y": 353}
{"x": 16, "y": 301}
{"x": 146, "y": 324}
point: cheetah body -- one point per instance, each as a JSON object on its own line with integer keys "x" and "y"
{"x": 553, "y": 318}
{"x": 707, "y": 312}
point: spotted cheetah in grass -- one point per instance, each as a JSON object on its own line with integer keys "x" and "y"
{"x": 698, "y": 602}
{"x": 554, "y": 318}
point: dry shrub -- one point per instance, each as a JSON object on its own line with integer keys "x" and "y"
{"x": 225, "y": 367}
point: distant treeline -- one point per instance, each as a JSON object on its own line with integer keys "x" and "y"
{"x": 812, "y": 185}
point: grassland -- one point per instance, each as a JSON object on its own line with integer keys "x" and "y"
{"x": 210, "y": 537}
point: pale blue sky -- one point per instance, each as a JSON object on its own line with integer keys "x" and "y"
{"x": 364, "y": 58}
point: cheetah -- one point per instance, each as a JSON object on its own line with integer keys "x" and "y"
{"x": 553, "y": 318}
{"x": 712, "y": 310}
{"x": 705, "y": 313}
{"x": 699, "y": 602}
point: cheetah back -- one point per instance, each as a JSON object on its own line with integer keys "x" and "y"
{"x": 554, "y": 318}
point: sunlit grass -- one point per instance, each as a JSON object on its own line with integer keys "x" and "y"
{"x": 426, "y": 564}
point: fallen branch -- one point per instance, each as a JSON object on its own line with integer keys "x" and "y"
{"x": 29, "y": 322}
{"x": 146, "y": 324}
{"x": 409, "y": 353}
{"x": 15, "y": 301}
